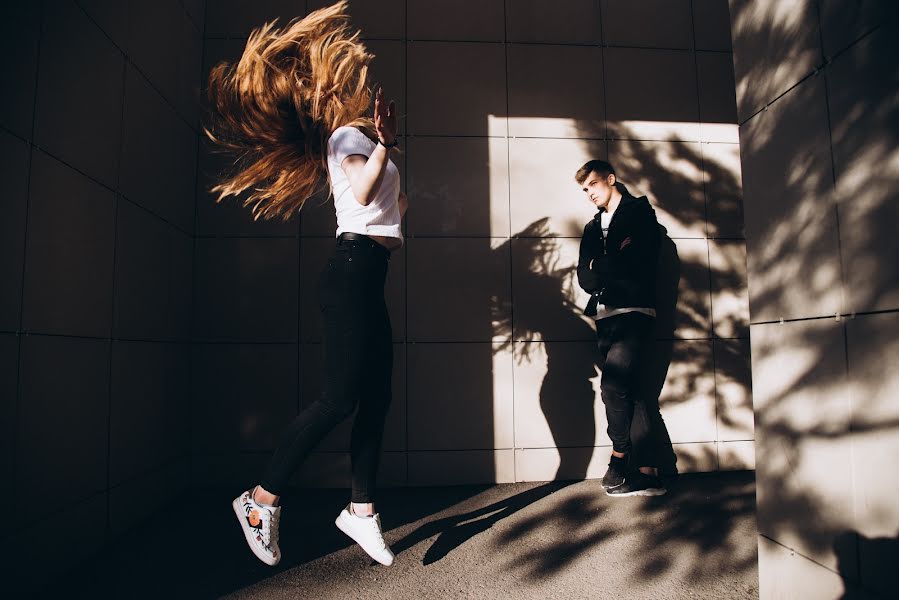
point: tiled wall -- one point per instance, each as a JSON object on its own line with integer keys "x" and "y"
{"x": 819, "y": 127}
{"x": 500, "y": 103}
{"x": 99, "y": 132}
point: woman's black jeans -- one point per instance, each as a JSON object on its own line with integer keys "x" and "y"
{"x": 358, "y": 360}
{"x": 623, "y": 340}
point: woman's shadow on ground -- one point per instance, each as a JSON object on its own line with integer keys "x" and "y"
{"x": 567, "y": 395}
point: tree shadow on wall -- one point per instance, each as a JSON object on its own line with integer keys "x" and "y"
{"x": 821, "y": 186}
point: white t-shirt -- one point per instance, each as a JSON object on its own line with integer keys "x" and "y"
{"x": 602, "y": 311}
{"x": 382, "y": 215}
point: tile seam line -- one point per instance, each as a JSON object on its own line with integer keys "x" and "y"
{"x": 509, "y": 213}
{"x": 136, "y": 67}
{"x": 708, "y": 248}
{"x": 819, "y": 69}
{"x": 799, "y": 553}
{"x": 106, "y": 187}
{"x": 833, "y": 317}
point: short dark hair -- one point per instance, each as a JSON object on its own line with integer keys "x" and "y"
{"x": 603, "y": 168}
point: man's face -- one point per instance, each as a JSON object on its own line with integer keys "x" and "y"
{"x": 599, "y": 188}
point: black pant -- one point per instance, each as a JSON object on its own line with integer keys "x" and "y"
{"x": 358, "y": 360}
{"x": 623, "y": 340}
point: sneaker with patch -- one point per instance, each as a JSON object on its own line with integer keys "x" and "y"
{"x": 615, "y": 474}
{"x": 638, "y": 484}
{"x": 366, "y": 531}
{"x": 260, "y": 527}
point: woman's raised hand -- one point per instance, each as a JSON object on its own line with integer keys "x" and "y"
{"x": 385, "y": 118}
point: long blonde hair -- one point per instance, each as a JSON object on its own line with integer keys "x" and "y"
{"x": 276, "y": 107}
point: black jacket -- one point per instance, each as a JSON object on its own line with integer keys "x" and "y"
{"x": 623, "y": 271}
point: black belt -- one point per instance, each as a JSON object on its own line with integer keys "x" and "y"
{"x": 349, "y": 236}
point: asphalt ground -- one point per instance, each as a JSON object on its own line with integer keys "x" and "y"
{"x": 566, "y": 540}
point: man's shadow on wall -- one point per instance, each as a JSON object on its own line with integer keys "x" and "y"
{"x": 657, "y": 359}
{"x": 567, "y": 396}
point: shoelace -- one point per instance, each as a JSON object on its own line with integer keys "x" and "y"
{"x": 269, "y": 527}
{"x": 273, "y": 528}
{"x": 375, "y": 525}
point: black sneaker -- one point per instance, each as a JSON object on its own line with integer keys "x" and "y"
{"x": 614, "y": 476}
{"x": 638, "y": 484}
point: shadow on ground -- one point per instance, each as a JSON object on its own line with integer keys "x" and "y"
{"x": 546, "y": 540}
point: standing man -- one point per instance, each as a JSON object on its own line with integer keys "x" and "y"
{"x": 617, "y": 267}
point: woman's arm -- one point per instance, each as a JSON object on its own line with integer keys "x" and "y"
{"x": 365, "y": 174}
{"x": 403, "y": 203}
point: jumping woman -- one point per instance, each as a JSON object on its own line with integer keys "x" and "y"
{"x": 292, "y": 111}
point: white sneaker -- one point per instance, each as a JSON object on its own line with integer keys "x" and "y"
{"x": 366, "y": 531}
{"x": 260, "y": 527}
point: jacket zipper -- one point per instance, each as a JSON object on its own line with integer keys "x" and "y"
{"x": 602, "y": 234}
{"x": 612, "y": 220}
